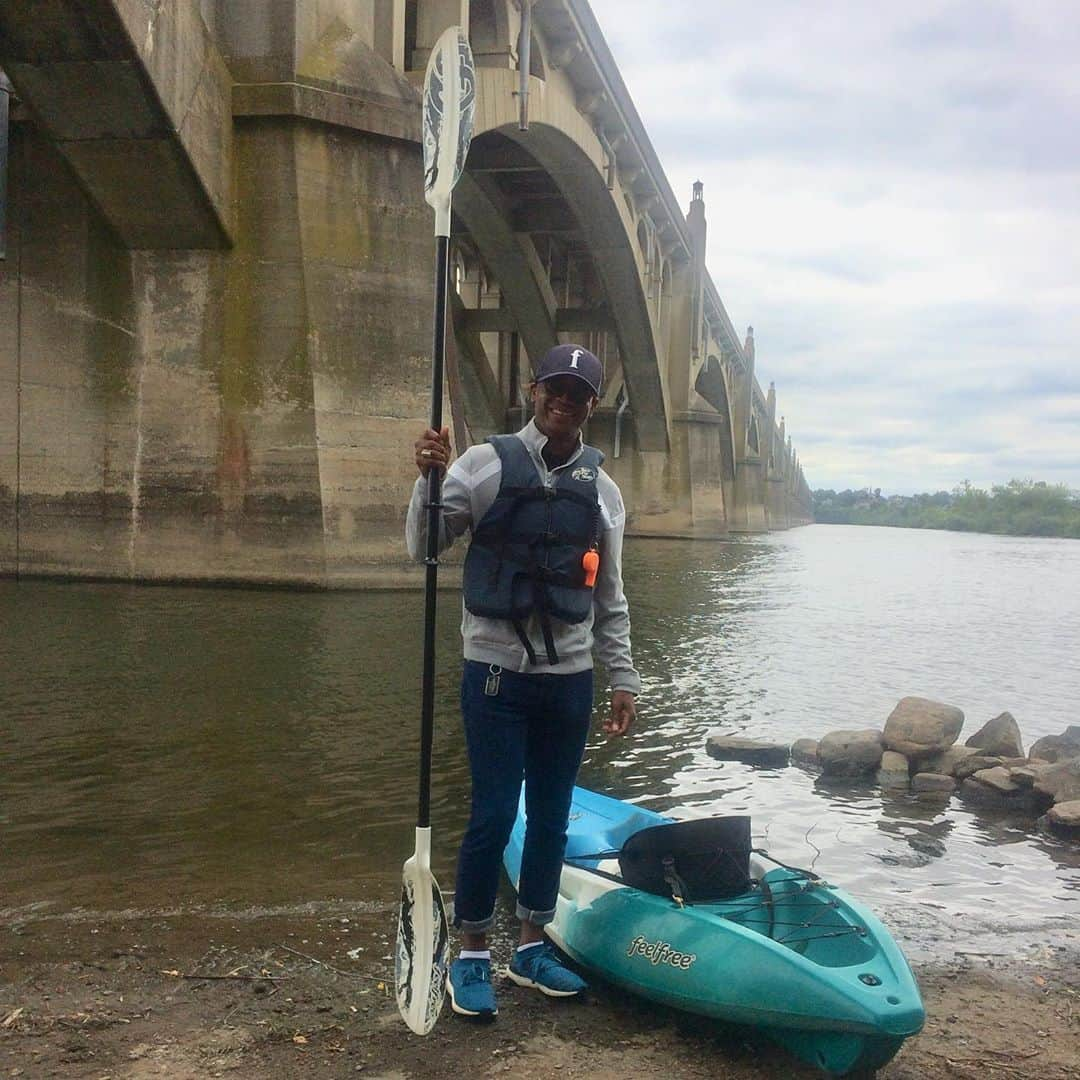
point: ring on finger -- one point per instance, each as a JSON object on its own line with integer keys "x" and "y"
{"x": 425, "y": 453}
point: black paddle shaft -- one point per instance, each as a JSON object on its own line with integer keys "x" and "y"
{"x": 434, "y": 521}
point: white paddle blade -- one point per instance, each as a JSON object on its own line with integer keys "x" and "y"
{"x": 422, "y": 941}
{"x": 449, "y": 108}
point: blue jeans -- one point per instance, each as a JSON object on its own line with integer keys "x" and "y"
{"x": 532, "y": 727}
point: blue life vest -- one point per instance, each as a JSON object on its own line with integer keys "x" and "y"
{"x": 526, "y": 553}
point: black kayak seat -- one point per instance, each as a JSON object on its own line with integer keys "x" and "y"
{"x": 692, "y": 861}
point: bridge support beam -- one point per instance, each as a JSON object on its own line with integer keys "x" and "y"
{"x": 137, "y": 100}
{"x": 512, "y": 258}
{"x": 484, "y": 411}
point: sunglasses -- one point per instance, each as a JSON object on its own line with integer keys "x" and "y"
{"x": 567, "y": 386}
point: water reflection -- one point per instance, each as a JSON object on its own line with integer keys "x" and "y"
{"x": 163, "y": 746}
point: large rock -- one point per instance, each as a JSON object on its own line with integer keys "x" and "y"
{"x": 1000, "y": 795}
{"x": 997, "y": 779}
{"x": 1060, "y": 782}
{"x": 933, "y": 783}
{"x": 749, "y": 751}
{"x": 947, "y": 762}
{"x": 1026, "y": 775}
{"x": 1064, "y": 818}
{"x": 998, "y": 787}
{"x": 894, "y": 771}
{"x": 999, "y": 737}
{"x": 850, "y": 753}
{"x": 968, "y": 766}
{"x": 980, "y": 793}
{"x": 805, "y": 751}
{"x": 918, "y": 727}
{"x": 1058, "y": 747}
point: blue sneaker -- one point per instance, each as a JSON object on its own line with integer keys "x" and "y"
{"x": 541, "y": 968}
{"x": 471, "y": 992}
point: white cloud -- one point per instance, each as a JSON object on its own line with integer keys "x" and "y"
{"x": 893, "y": 196}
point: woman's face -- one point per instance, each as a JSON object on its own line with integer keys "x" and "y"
{"x": 563, "y": 404}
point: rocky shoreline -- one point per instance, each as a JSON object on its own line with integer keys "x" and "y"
{"x": 917, "y": 750}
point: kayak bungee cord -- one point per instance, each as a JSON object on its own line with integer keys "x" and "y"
{"x": 745, "y": 906}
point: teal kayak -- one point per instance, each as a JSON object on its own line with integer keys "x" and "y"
{"x": 791, "y": 955}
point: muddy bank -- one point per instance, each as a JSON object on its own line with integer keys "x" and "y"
{"x": 214, "y": 993}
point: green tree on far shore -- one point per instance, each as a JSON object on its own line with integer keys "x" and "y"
{"x": 1018, "y": 508}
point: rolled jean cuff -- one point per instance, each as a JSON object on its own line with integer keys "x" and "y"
{"x": 537, "y": 918}
{"x": 474, "y": 926}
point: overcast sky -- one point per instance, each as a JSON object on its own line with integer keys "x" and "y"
{"x": 893, "y": 199}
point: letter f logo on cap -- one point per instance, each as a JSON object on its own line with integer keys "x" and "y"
{"x": 571, "y": 360}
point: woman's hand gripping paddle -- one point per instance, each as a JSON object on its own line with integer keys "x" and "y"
{"x": 420, "y": 958}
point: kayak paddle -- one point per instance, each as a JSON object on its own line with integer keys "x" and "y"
{"x": 422, "y": 938}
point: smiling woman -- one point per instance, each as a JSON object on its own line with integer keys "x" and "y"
{"x": 543, "y": 574}
{"x": 565, "y": 391}
{"x": 562, "y": 407}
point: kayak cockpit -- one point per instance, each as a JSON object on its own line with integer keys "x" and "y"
{"x": 788, "y": 908}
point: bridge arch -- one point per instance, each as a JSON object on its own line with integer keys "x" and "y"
{"x": 753, "y": 443}
{"x": 525, "y": 190}
{"x": 643, "y": 237}
{"x": 711, "y": 384}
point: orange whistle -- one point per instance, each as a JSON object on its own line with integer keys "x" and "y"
{"x": 590, "y": 563}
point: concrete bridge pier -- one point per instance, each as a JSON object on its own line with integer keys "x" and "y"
{"x": 710, "y": 496}
{"x": 241, "y": 409}
{"x": 750, "y": 496}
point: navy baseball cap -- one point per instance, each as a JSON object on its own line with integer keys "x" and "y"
{"x": 571, "y": 360}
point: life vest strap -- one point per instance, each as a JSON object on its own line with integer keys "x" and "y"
{"x": 526, "y": 644}
{"x": 549, "y": 637}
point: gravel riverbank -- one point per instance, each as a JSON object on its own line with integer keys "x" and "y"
{"x": 136, "y": 995}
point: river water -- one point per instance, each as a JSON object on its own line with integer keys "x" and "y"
{"x": 169, "y": 749}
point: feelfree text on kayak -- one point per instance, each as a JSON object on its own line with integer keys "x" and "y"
{"x": 660, "y": 952}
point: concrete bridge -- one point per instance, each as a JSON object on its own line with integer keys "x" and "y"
{"x": 215, "y": 296}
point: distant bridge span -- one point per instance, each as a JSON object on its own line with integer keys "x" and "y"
{"x": 215, "y": 301}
